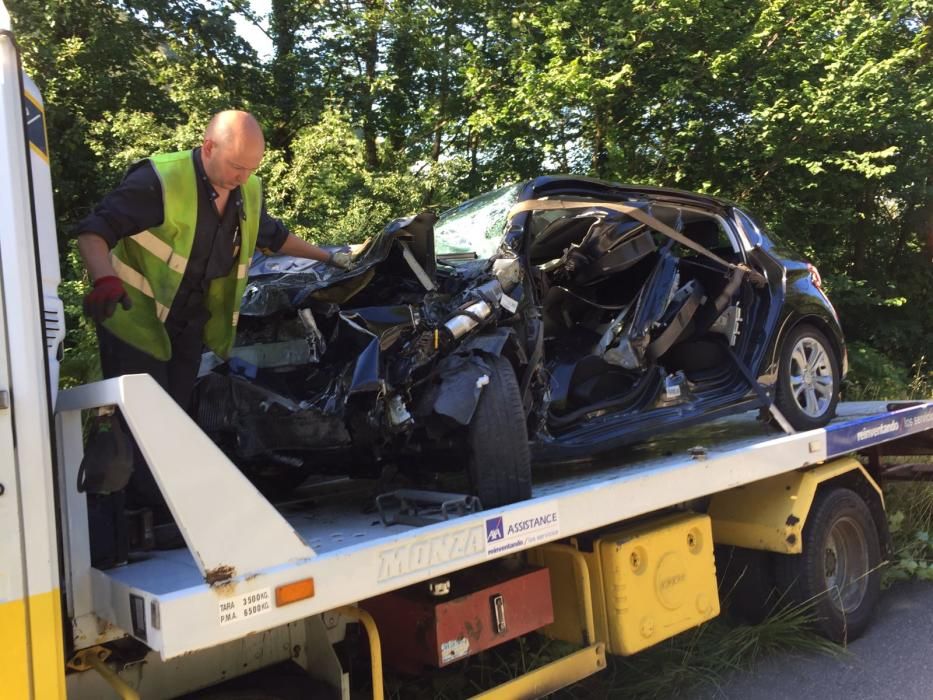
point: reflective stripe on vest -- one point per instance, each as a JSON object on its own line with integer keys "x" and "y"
{"x": 162, "y": 250}
{"x": 139, "y": 283}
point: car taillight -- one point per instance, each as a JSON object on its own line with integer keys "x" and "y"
{"x": 815, "y": 276}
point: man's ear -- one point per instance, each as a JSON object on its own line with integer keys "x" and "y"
{"x": 207, "y": 148}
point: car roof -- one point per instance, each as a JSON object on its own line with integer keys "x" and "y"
{"x": 545, "y": 184}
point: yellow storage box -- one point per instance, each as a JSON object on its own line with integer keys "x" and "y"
{"x": 648, "y": 582}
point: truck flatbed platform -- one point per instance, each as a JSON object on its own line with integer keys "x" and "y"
{"x": 167, "y": 603}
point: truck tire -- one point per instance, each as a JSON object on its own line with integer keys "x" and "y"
{"x": 808, "y": 378}
{"x": 499, "y": 461}
{"x": 838, "y": 572}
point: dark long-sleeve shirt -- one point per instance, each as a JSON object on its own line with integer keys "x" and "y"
{"x": 137, "y": 205}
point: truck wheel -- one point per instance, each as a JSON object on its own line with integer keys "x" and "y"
{"x": 838, "y": 571}
{"x": 499, "y": 459}
{"x": 808, "y": 379}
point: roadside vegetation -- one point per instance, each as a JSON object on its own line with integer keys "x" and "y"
{"x": 910, "y": 518}
{"x": 696, "y": 661}
{"x": 815, "y": 114}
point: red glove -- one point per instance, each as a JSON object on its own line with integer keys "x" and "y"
{"x": 101, "y": 302}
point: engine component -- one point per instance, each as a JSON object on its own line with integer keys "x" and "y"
{"x": 316, "y": 344}
{"x": 470, "y": 315}
{"x": 468, "y": 318}
{"x": 507, "y": 273}
{"x": 287, "y": 353}
{"x": 397, "y": 412}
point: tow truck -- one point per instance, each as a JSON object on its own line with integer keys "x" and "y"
{"x": 612, "y": 555}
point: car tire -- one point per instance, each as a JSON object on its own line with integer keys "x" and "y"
{"x": 277, "y": 483}
{"x": 808, "y": 379}
{"x": 838, "y": 572}
{"x": 499, "y": 464}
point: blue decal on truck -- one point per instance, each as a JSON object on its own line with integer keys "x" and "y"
{"x": 865, "y": 432}
{"x": 494, "y": 529}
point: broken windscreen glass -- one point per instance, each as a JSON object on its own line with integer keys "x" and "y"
{"x": 476, "y": 226}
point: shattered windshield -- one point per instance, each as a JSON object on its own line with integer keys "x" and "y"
{"x": 476, "y": 226}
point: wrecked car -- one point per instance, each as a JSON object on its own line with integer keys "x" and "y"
{"x": 549, "y": 320}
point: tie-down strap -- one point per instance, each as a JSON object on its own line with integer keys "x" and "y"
{"x": 639, "y": 215}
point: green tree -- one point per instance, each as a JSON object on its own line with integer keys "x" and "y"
{"x": 814, "y": 113}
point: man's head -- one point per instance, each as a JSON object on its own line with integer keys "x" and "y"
{"x": 232, "y": 149}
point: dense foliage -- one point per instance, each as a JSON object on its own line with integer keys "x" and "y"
{"x": 816, "y": 114}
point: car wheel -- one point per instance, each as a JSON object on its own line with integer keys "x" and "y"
{"x": 838, "y": 571}
{"x": 277, "y": 481}
{"x": 499, "y": 459}
{"x": 808, "y": 379}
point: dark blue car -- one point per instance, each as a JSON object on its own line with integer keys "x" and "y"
{"x": 549, "y": 320}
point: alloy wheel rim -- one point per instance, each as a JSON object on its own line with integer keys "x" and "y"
{"x": 811, "y": 377}
{"x": 845, "y": 565}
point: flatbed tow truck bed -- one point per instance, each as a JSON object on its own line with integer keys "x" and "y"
{"x": 168, "y": 603}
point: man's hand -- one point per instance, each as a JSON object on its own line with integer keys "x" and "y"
{"x": 341, "y": 259}
{"x": 101, "y": 302}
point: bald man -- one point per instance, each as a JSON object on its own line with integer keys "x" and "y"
{"x": 168, "y": 251}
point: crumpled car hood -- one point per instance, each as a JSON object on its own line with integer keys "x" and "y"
{"x": 286, "y": 282}
{"x": 361, "y": 358}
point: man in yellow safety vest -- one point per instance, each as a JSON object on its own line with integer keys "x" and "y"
{"x": 168, "y": 253}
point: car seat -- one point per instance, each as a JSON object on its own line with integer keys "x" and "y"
{"x": 661, "y": 317}
{"x": 559, "y": 235}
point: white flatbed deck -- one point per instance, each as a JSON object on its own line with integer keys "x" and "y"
{"x": 355, "y": 556}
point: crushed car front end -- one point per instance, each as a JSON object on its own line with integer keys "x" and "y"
{"x": 347, "y": 372}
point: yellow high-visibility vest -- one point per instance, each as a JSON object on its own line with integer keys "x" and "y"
{"x": 151, "y": 264}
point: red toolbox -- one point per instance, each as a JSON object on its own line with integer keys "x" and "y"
{"x": 436, "y": 623}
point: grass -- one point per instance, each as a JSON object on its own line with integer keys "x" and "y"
{"x": 480, "y": 672}
{"x": 702, "y": 658}
{"x": 699, "y": 659}
{"x": 884, "y": 382}
{"x": 910, "y": 519}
